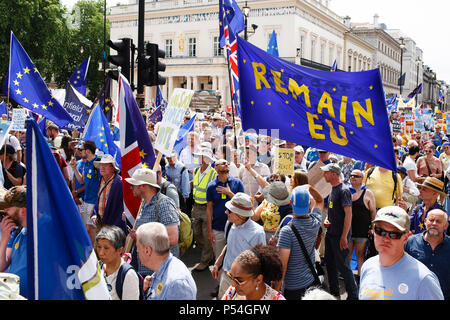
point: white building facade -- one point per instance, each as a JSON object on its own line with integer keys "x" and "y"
{"x": 188, "y": 31}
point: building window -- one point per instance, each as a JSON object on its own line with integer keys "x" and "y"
{"x": 169, "y": 47}
{"x": 192, "y": 47}
{"x": 217, "y": 50}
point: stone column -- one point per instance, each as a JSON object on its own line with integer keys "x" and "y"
{"x": 188, "y": 82}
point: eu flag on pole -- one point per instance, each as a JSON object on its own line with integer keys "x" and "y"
{"x": 234, "y": 16}
{"x": 416, "y": 91}
{"x": 3, "y": 108}
{"x": 181, "y": 141}
{"x": 342, "y": 112}
{"x": 78, "y": 78}
{"x": 272, "y": 47}
{"x": 27, "y": 88}
{"x": 97, "y": 129}
{"x": 441, "y": 97}
{"x": 156, "y": 116}
{"x": 62, "y": 264}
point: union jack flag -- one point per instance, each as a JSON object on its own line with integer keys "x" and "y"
{"x": 441, "y": 97}
{"x": 231, "y": 23}
{"x": 135, "y": 146}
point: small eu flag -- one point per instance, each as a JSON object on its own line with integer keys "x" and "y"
{"x": 78, "y": 78}
{"x": 272, "y": 47}
{"x": 27, "y": 88}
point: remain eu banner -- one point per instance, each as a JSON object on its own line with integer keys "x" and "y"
{"x": 341, "y": 112}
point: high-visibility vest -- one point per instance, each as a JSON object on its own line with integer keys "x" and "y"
{"x": 199, "y": 187}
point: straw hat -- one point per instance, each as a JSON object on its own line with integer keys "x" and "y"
{"x": 434, "y": 184}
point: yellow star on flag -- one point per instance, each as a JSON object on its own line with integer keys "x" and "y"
{"x": 142, "y": 153}
{"x": 18, "y": 91}
{"x": 44, "y": 107}
{"x": 25, "y": 100}
{"x": 16, "y": 82}
{"x": 26, "y": 70}
{"x": 144, "y": 165}
{"x": 50, "y": 103}
{"x": 19, "y": 75}
{"x": 35, "y": 69}
{"x": 35, "y": 105}
{"x": 421, "y": 226}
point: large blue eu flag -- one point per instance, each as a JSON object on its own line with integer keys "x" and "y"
{"x": 342, "y": 112}
{"x": 27, "y": 88}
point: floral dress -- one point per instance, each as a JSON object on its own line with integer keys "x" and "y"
{"x": 270, "y": 294}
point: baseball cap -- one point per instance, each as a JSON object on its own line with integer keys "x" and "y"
{"x": 333, "y": 167}
{"x": 395, "y": 216}
{"x": 300, "y": 200}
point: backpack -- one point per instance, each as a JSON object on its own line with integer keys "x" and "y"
{"x": 123, "y": 269}
{"x": 394, "y": 177}
{"x": 185, "y": 235}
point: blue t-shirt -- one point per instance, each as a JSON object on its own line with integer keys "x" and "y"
{"x": 80, "y": 167}
{"x": 407, "y": 279}
{"x": 18, "y": 265}
{"x": 91, "y": 182}
{"x": 219, "y": 216}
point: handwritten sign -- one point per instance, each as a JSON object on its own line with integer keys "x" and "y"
{"x": 18, "y": 119}
{"x": 172, "y": 119}
{"x": 317, "y": 180}
{"x": 284, "y": 161}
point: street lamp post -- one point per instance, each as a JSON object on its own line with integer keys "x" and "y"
{"x": 418, "y": 61}
{"x": 246, "y": 12}
{"x": 402, "y": 47}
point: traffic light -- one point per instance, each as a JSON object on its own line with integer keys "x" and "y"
{"x": 152, "y": 66}
{"x": 122, "y": 59}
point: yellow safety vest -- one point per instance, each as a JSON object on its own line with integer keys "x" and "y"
{"x": 199, "y": 192}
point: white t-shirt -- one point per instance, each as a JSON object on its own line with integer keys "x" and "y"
{"x": 407, "y": 279}
{"x": 130, "y": 290}
{"x": 409, "y": 164}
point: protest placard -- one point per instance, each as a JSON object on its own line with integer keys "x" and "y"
{"x": 18, "y": 119}
{"x": 284, "y": 161}
{"x": 317, "y": 180}
{"x": 172, "y": 119}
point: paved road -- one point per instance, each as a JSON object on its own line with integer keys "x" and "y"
{"x": 205, "y": 283}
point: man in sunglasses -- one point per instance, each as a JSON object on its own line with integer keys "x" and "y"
{"x": 393, "y": 274}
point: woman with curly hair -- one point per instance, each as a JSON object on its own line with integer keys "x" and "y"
{"x": 250, "y": 272}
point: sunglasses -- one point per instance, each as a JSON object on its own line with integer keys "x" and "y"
{"x": 392, "y": 234}
{"x": 239, "y": 283}
{"x": 355, "y": 176}
{"x": 429, "y": 151}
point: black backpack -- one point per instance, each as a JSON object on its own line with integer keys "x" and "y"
{"x": 123, "y": 269}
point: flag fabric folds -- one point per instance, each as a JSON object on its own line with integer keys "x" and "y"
{"x": 156, "y": 116}
{"x": 342, "y": 112}
{"x": 27, "y": 88}
{"x": 76, "y": 108}
{"x": 230, "y": 25}
{"x": 272, "y": 47}
{"x": 78, "y": 78}
{"x": 97, "y": 129}
{"x": 62, "y": 264}
{"x": 3, "y": 108}
{"x": 234, "y": 18}
{"x": 416, "y": 91}
{"x": 441, "y": 97}
{"x": 181, "y": 141}
{"x": 135, "y": 145}
{"x": 105, "y": 101}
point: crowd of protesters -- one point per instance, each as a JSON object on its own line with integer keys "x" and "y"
{"x": 263, "y": 235}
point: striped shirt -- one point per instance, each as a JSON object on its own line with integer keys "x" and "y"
{"x": 298, "y": 274}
